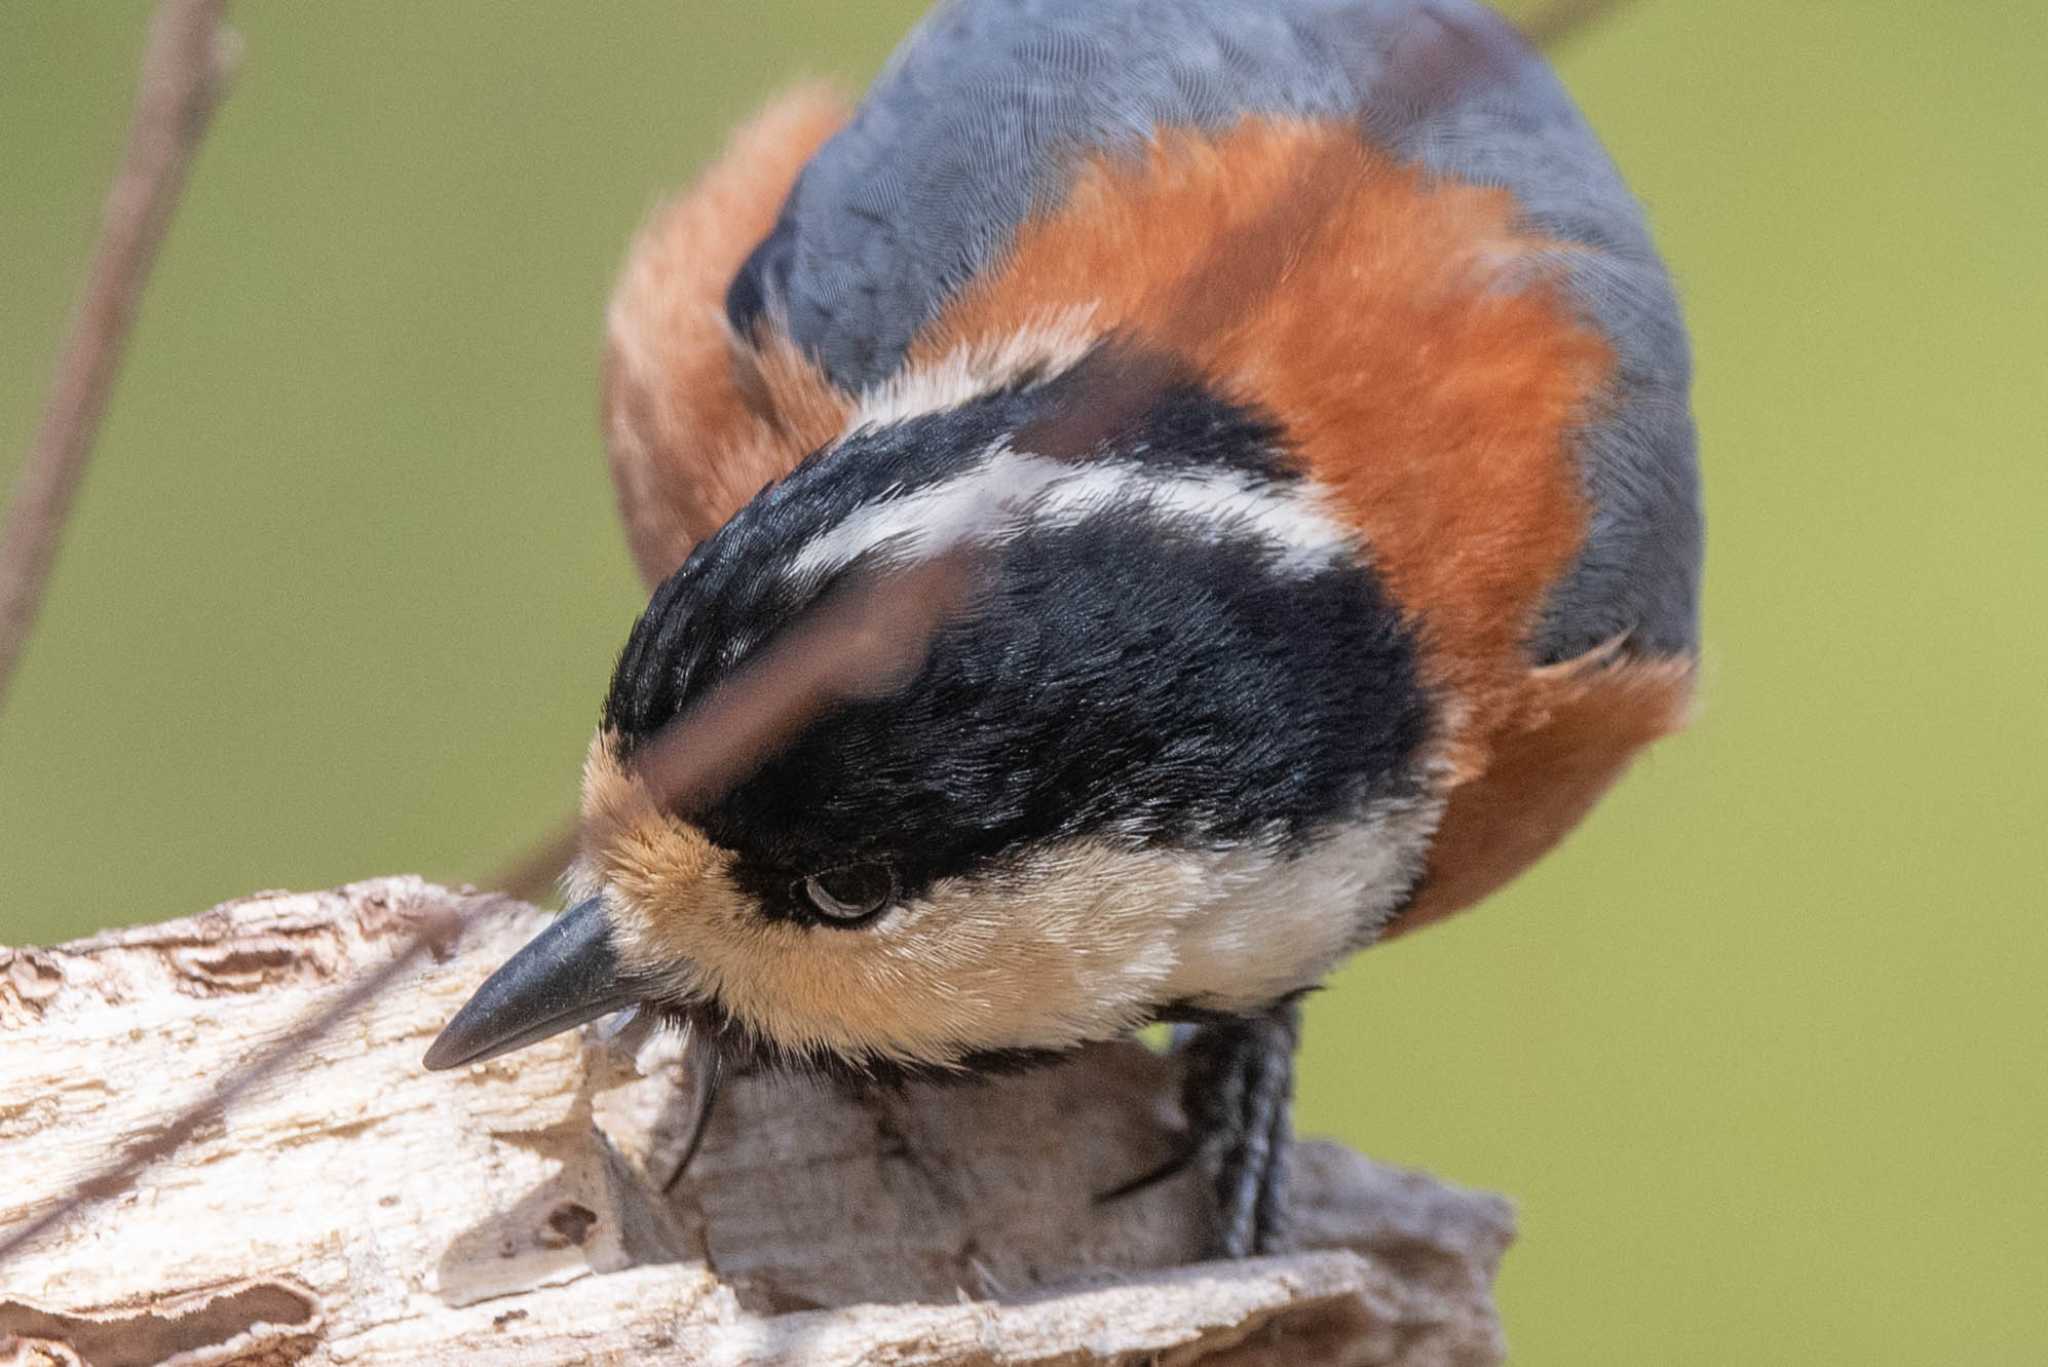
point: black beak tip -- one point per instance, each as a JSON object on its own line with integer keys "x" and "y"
{"x": 566, "y": 975}
{"x": 446, "y": 1051}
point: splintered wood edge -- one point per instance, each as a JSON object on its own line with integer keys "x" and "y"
{"x": 275, "y": 1236}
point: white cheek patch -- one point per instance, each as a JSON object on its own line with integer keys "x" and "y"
{"x": 1267, "y": 926}
{"x": 1084, "y": 941}
{"x": 1006, "y": 493}
{"x": 1076, "y": 942}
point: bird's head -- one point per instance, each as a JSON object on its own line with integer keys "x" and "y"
{"x": 1165, "y": 755}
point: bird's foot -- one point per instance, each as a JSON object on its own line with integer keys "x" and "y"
{"x": 1237, "y": 1091}
{"x": 1237, "y": 1086}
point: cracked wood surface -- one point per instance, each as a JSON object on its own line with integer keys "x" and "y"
{"x": 356, "y": 1209}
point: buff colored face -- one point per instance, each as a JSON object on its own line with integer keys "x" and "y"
{"x": 1173, "y": 755}
{"x": 1073, "y": 941}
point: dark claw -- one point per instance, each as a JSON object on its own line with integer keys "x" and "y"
{"x": 1176, "y": 1163}
{"x": 704, "y": 1068}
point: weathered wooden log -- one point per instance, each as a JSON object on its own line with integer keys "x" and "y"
{"x": 357, "y": 1209}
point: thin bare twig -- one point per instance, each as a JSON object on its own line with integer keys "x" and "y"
{"x": 532, "y": 873}
{"x": 1562, "y": 19}
{"x": 872, "y": 631}
{"x": 859, "y": 640}
{"x": 185, "y": 68}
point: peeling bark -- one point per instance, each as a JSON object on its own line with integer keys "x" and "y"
{"x": 356, "y": 1209}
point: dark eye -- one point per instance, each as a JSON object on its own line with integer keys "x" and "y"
{"x": 851, "y": 892}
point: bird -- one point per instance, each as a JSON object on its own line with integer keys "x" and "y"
{"x": 1307, "y": 385}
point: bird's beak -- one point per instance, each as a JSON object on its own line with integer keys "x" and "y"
{"x": 566, "y": 975}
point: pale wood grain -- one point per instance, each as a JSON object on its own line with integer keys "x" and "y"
{"x": 356, "y": 1209}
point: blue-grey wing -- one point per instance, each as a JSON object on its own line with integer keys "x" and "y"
{"x": 985, "y": 111}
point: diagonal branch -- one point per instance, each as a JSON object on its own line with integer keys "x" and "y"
{"x": 161, "y": 1141}
{"x": 185, "y": 68}
{"x": 520, "y": 1219}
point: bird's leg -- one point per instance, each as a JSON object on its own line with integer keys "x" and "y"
{"x": 1236, "y": 1089}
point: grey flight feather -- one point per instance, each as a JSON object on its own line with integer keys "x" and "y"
{"x": 979, "y": 119}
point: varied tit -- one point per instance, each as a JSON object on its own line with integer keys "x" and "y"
{"x": 1335, "y": 404}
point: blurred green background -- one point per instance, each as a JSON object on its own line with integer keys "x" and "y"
{"x": 1763, "y": 1053}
